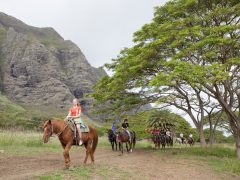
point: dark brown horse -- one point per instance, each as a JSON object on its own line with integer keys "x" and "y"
{"x": 65, "y": 135}
{"x": 190, "y": 141}
{"x": 113, "y": 139}
{"x": 156, "y": 140}
{"x": 123, "y": 137}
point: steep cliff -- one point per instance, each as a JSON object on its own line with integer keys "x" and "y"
{"x": 38, "y": 67}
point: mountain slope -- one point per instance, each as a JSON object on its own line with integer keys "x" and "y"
{"x": 39, "y": 68}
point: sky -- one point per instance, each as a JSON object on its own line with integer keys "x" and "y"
{"x": 101, "y": 28}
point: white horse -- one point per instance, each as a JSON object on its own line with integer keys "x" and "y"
{"x": 179, "y": 140}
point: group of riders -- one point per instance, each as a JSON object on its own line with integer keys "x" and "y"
{"x": 155, "y": 131}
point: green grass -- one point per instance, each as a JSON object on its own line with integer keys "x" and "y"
{"x": 219, "y": 157}
{"x": 87, "y": 172}
{"x": 11, "y": 114}
{"x": 55, "y": 176}
{"x": 28, "y": 142}
{"x": 22, "y": 143}
{"x": 219, "y": 152}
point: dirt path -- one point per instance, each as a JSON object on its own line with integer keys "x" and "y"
{"x": 141, "y": 164}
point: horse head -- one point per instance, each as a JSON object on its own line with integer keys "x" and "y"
{"x": 109, "y": 131}
{"x": 110, "y": 134}
{"x": 48, "y": 131}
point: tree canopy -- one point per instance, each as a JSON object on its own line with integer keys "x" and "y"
{"x": 187, "y": 56}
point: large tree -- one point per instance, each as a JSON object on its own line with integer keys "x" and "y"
{"x": 188, "y": 52}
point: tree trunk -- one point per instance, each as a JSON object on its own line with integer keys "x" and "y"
{"x": 211, "y": 138}
{"x": 201, "y": 136}
{"x": 238, "y": 146}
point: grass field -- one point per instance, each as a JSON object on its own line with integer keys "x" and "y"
{"x": 220, "y": 157}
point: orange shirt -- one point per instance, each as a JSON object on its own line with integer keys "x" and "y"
{"x": 75, "y": 110}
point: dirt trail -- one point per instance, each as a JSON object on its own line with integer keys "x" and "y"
{"x": 141, "y": 164}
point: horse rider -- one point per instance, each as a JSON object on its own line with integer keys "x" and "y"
{"x": 191, "y": 136}
{"x": 125, "y": 126}
{"x": 161, "y": 131}
{"x": 155, "y": 131}
{"x": 181, "y": 137}
{"x": 75, "y": 114}
{"x": 114, "y": 128}
{"x": 168, "y": 133}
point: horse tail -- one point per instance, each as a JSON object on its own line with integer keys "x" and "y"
{"x": 95, "y": 140}
{"x": 134, "y": 137}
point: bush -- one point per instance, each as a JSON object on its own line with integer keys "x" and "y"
{"x": 101, "y": 131}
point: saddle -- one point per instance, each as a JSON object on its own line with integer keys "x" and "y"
{"x": 72, "y": 124}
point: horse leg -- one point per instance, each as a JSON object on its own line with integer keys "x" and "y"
{"x": 88, "y": 151}
{"x": 134, "y": 142}
{"x": 122, "y": 147}
{"x": 66, "y": 155}
{"x": 127, "y": 146}
{"x": 115, "y": 142}
{"x": 130, "y": 146}
{"x": 112, "y": 143}
{"x": 92, "y": 156}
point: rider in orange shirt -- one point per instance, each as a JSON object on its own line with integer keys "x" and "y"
{"x": 75, "y": 113}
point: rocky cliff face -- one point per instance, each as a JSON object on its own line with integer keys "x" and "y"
{"x": 38, "y": 67}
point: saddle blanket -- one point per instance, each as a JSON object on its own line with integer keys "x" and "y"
{"x": 84, "y": 128}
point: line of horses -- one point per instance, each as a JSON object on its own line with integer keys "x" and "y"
{"x": 117, "y": 139}
{"x": 90, "y": 139}
{"x": 187, "y": 141}
{"x": 163, "y": 140}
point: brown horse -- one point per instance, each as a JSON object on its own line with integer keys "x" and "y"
{"x": 156, "y": 140}
{"x": 65, "y": 135}
{"x": 123, "y": 137}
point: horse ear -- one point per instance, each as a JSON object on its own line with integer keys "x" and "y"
{"x": 49, "y": 121}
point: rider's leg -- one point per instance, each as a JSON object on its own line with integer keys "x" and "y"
{"x": 80, "y": 134}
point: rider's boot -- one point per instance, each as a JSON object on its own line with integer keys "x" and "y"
{"x": 80, "y": 140}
